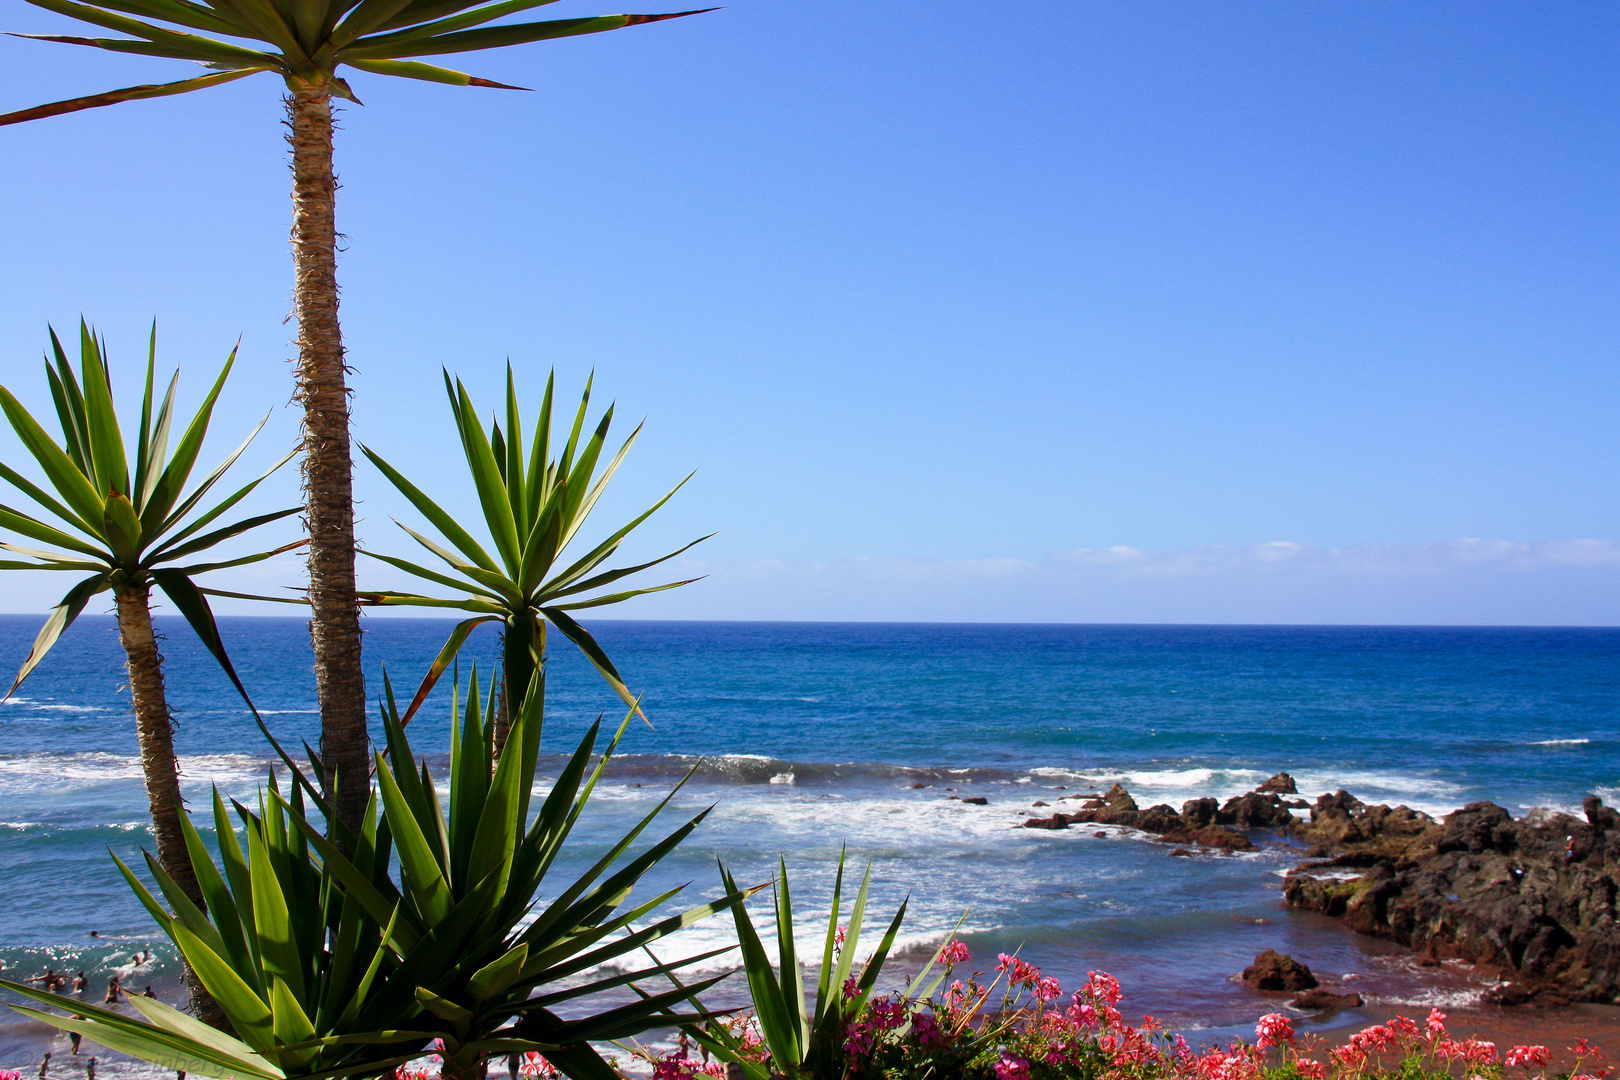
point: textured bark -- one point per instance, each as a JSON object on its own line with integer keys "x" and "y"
{"x": 155, "y": 730}
{"x": 329, "y": 508}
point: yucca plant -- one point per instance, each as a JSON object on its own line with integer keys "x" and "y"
{"x": 305, "y": 43}
{"x": 533, "y": 506}
{"x": 325, "y": 966}
{"x": 803, "y": 1039}
{"x": 127, "y": 529}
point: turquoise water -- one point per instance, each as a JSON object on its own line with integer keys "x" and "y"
{"x": 819, "y": 735}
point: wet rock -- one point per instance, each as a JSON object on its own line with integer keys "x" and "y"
{"x": 976, "y": 800}
{"x": 1326, "y": 1001}
{"x": 1255, "y": 811}
{"x": 1181, "y": 853}
{"x": 1200, "y": 812}
{"x": 1536, "y": 897}
{"x": 1273, "y": 970}
{"x": 1159, "y": 819}
{"x": 1056, "y": 821}
{"x": 1038, "y": 802}
{"x": 1281, "y": 784}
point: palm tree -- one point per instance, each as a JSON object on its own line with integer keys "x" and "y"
{"x": 533, "y": 507}
{"x": 305, "y": 42}
{"x": 127, "y": 530}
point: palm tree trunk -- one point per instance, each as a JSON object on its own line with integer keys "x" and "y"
{"x": 329, "y": 512}
{"x": 155, "y": 730}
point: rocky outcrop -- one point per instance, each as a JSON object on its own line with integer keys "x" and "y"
{"x": 1116, "y": 807}
{"x": 1326, "y": 1000}
{"x": 1273, "y": 970}
{"x": 1281, "y": 784}
{"x": 1534, "y": 898}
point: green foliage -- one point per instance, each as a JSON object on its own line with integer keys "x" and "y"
{"x": 127, "y": 523}
{"x": 801, "y": 1037}
{"x": 533, "y": 508}
{"x": 306, "y": 41}
{"x": 326, "y": 965}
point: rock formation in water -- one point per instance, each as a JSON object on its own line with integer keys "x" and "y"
{"x": 1534, "y": 897}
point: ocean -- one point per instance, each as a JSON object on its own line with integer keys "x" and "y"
{"x": 811, "y": 738}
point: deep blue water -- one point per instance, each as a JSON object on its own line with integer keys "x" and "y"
{"x": 816, "y": 734}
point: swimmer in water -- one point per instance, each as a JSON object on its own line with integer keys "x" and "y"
{"x": 113, "y": 990}
{"x": 44, "y": 1064}
{"x": 79, "y": 983}
{"x": 148, "y": 992}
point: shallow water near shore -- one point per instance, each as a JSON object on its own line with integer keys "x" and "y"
{"x": 814, "y": 736}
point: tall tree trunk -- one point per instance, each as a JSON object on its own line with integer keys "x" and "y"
{"x": 155, "y": 730}
{"x": 329, "y": 510}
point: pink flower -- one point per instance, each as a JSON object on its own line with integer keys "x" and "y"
{"x": 1104, "y": 987}
{"x": 1274, "y": 1029}
{"x": 851, "y": 988}
{"x": 839, "y": 942}
{"x": 1528, "y": 1057}
{"x": 1047, "y": 989}
{"x": 1436, "y": 1023}
{"x": 954, "y": 953}
{"x": 1011, "y": 1067}
{"x": 1479, "y": 1052}
{"x": 1308, "y": 1068}
{"x": 532, "y": 1064}
{"x": 1082, "y": 1012}
{"x": 1403, "y": 1026}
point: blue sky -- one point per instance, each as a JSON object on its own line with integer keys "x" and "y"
{"x": 930, "y": 291}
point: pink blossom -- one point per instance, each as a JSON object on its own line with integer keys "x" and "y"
{"x": 851, "y": 988}
{"x": 1274, "y": 1029}
{"x": 1047, "y": 989}
{"x": 1311, "y": 1070}
{"x": 1528, "y": 1057}
{"x": 1011, "y": 1067}
{"x": 1436, "y": 1023}
{"x": 1403, "y": 1026}
{"x": 954, "y": 953}
{"x": 1104, "y": 987}
{"x": 532, "y": 1064}
{"x": 1082, "y": 1012}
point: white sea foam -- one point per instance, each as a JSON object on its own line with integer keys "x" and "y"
{"x": 1560, "y": 742}
{"x": 783, "y": 778}
{"x": 33, "y": 771}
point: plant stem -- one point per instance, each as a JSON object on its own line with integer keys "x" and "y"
{"x": 523, "y": 648}
{"x": 329, "y": 510}
{"x": 154, "y": 728}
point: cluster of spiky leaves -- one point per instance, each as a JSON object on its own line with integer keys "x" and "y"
{"x": 125, "y": 527}
{"x": 798, "y": 1036}
{"x": 533, "y": 507}
{"x": 326, "y": 967}
{"x": 306, "y": 41}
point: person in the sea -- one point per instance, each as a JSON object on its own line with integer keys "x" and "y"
{"x": 79, "y": 983}
{"x": 74, "y": 1037}
{"x": 50, "y": 980}
{"x": 113, "y": 990}
{"x": 90, "y": 1069}
{"x": 44, "y": 1065}
{"x": 148, "y": 992}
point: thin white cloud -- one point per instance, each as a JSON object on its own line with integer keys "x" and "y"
{"x": 1465, "y": 581}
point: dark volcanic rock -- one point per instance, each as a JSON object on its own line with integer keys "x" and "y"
{"x": 1200, "y": 812}
{"x": 1534, "y": 897}
{"x": 1273, "y": 970}
{"x": 1256, "y": 811}
{"x": 976, "y": 800}
{"x": 1281, "y": 784}
{"x": 1326, "y": 1000}
{"x": 1056, "y": 821}
{"x": 1116, "y": 807}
